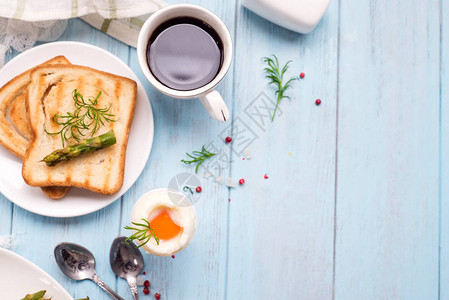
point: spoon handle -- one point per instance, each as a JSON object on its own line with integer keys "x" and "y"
{"x": 132, "y": 281}
{"x": 105, "y": 287}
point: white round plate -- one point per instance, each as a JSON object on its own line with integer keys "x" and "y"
{"x": 19, "y": 277}
{"x": 78, "y": 201}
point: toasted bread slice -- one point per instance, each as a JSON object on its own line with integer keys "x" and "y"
{"x": 55, "y": 192}
{"x": 19, "y": 117}
{"x": 50, "y": 93}
{"x": 12, "y": 93}
{"x": 15, "y": 130}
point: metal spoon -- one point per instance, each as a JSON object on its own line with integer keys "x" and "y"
{"x": 78, "y": 263}
{"x": 126, "y": 261}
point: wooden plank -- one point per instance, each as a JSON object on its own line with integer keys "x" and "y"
{"x": 39, "y": 235}
{"x": 6, "y": 209}
{"x": 199, "y": 271}
{"x": 388, "y": 151}
{"x": 444, "y": 153}
{"x": 281, "y": 228}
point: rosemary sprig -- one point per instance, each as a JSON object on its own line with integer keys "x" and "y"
{"x": 85, "y": 117}
{"x": 276, "y": 76}
{"x": 198, "y": 157}
{"x": 143, "y": 234}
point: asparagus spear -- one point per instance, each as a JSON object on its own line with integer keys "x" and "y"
{"x": 84, "y": 146}
{"x": 40, "y": 296}
{"x": 36, "y": 296}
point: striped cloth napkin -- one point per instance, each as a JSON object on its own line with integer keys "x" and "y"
{"x": 23, "y": 22}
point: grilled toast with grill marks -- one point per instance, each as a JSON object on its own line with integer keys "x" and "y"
{"x": 15, "y": 131}
{"x": 51, "y": 92}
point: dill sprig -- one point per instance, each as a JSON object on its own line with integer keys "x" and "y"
{"x": 86, "y": 117}
{"x": 276, "y": 76}
{"x": 187, "y": 188}
{"x": 198, "y": 157}
{"x": 143, "y": 234}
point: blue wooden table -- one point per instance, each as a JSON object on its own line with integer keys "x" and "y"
{"x": 355, "y": 203}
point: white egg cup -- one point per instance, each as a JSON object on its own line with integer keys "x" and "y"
{"x": 172, "y": 200}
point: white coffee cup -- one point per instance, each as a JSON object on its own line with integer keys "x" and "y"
{"x": 211, "y": 99}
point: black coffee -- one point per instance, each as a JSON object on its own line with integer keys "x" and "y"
{"x": 184, "y": 53}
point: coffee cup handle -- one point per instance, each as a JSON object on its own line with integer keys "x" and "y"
{"x": 215, "y": 105}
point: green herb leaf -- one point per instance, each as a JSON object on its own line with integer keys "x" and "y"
{"x": 86, "y": 117}
{"x": 198, "y": 157}
{"x": 276, "y": 77}
{"x": 187, "y": 188}
{"x": 143, "y": 232}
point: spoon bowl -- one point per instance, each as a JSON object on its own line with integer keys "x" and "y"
{"x": 75, "y": 261}
{"x": 78, "y": 263}
{"x": 126, "y": 262}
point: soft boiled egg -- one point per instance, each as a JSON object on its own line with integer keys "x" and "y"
{"x": 171, "y": 215}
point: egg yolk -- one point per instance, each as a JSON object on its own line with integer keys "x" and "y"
{"x": 164, "y": 227}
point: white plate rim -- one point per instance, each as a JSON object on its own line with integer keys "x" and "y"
{"x": 37, "y": 269}
{"x": 144, "y": 153}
